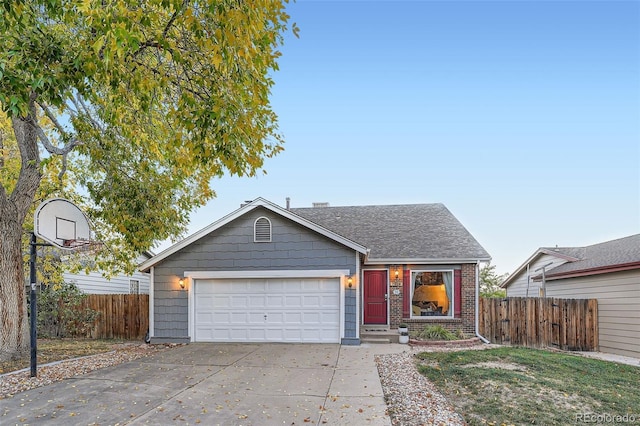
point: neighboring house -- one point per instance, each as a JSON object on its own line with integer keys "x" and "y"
{"x": 95, "y": 283}
{"x": 265, "y": 273}
{"x": 609, "y": 272}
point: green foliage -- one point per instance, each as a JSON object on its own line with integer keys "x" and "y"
{"x": 490, "y": 282}
{"x": 146, "y": 102}
{"x": 435, "y": 332}
{"x": 61, "y": 314}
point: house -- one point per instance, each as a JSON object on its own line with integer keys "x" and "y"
{"x": 608, "y": 272}
{"x": 267, "y": 273}
{"x": 95, "y": 282}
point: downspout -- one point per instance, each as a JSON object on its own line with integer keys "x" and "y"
{"x": 478, "y": 303}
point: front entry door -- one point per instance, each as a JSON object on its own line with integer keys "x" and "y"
{"x": 375, "y": 297}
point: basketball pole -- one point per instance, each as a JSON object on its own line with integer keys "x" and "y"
{"x": 34, "y": 306}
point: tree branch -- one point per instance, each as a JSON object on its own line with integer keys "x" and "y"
{"x": 167, "y": 27}
{"x": 87, "y": 112}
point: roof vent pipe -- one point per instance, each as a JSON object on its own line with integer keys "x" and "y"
{"x": 288, "y": 203}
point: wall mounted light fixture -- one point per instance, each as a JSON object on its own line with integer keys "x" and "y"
{"x": 395, "y": 270}
{"x": 182, "y": 283}
{"x": 350, "y": 282}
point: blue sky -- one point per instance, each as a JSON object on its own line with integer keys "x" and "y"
{"x": 522, "y": 117}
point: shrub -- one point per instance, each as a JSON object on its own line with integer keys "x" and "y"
{"x": 60, "y": 312}
{"x": 435, "y": 332}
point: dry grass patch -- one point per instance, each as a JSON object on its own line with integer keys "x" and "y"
{"x": 527, "y": 386}
{"x": 50, "y": 350}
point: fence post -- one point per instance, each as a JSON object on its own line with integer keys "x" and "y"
{"x": 539, "y": 322}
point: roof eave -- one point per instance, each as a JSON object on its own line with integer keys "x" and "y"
{"x": 370, "y": 261}
{"x": 258, "y": 202}
{"x": 590, "y": 271}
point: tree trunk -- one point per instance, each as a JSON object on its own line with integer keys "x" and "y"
{"x": 14, "y": 330}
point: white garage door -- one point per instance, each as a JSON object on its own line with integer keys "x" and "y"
{"x": 267, "y": 310}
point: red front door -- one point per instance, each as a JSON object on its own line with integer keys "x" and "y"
{"x": 375, "y": 297}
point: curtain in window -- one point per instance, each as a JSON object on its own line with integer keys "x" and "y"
{"x": 448, "y": 285}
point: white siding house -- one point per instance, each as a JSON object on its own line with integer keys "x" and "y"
{"x": 521, "y": 283}
{"x": 95, "y": 283}
{"x": 608, "y": 272}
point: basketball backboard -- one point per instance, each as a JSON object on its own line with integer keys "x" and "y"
{"x": 61, "y": 223}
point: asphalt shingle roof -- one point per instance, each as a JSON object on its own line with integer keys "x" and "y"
{"x": 410, "y": 231}
{"x": 610, "y": 253}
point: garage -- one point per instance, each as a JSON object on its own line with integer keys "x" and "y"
{"x": 295, "y": 310}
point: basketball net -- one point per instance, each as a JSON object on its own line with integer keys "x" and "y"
{"x": 82, "y": 246}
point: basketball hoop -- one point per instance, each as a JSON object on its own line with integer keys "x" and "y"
{"x": 62, "y": 224}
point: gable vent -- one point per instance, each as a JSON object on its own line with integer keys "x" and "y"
{"x": 262, "y": 230}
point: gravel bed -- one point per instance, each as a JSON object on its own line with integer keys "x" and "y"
{"x": 412, "y": 400}
{"x": 20, "y": 381}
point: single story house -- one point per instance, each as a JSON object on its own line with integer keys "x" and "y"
{"x": 608, "y": 272}
{"x": 265, "y": 273}
{"x": 94, "y": 282}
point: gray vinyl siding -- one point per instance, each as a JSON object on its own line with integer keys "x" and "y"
{"x": 618, "y": 295}
{"x": 232, "y": 248}
{"x": 518, "y": 288}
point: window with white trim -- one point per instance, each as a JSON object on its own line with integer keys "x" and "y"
{"x": 134, "y": 286}
{"x": 262, "y": 230}
{"x": 432, "y": 293}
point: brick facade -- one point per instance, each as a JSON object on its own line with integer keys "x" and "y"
{"x": 466, "y": 322}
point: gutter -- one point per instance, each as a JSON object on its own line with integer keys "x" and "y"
{"x": 478, "y": 304}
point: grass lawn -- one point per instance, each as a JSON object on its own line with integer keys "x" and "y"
{"x": 521, "y": 386}
{"x": 50, "y": 350}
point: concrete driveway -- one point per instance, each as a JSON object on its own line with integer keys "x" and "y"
{"x": 211, "y": 384}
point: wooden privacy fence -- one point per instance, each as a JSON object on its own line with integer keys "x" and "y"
{"x": 122, "y": 316}
{"x": 567, "y": 324}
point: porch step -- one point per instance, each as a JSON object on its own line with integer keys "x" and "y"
{"x": 374, "y": 340}
{"x": 378, "y": 334}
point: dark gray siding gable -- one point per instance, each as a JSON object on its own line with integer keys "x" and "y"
{"x": 232, "y": 248}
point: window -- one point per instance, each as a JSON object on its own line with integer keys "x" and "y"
{"x": 262, "y": 230}
{"x": 432, "y": 294}
{"x": 134, "y": 286}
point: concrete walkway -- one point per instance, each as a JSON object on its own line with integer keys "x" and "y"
{"x": 218, "y": 384}
{"x": 611, "y": 357}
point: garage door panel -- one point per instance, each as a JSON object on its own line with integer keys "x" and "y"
{"x": 275, "y": 302}
{"x": 273, "y": 286}
{"x": 330, "y": 300}
{"x": 296, "y": 310}
{"x": 217, "y": 302}
{"x": 293, "y": 318}
{"x": 293, "y": 301}
{"x": 257, "y": 301}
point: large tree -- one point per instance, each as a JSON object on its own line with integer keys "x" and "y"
{"x": 140, "y": 104}
{"x": 490, "y": 281}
